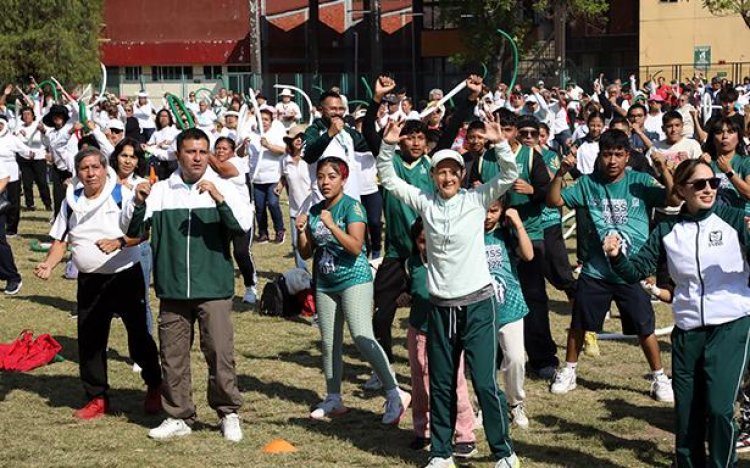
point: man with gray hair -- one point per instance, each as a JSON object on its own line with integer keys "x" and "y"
{"x": 109, "y": 280}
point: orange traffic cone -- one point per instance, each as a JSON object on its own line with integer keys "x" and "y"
{"x": 279, "y": 446}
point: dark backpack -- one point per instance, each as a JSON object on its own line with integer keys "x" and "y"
{"x": 276, "y": 300}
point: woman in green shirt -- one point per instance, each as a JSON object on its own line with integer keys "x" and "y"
{"x": 334, "y": 232}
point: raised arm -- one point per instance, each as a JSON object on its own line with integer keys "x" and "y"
{"x": 554, "y": 197}
{"x": 462, "y": 113}
{"x": 506, "y": 162}
{"x": 390, "y": 181}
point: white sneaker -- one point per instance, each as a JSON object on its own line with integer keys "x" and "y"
{"x": 511, "y": 461}
{"x": 518, "y": 416}
{"x": 251, "y": 295}
{"x": 565, "y": 381}
{"x": 395, "y": 407}
{"x": 437, "y": 462}
{"x": 136, "y": 368}
{"x": 328, "y": 408}
{"x": 661, "y": 389}
{"x": 373, "y": 383}
{"x": 230, "y": 427}
{"x": 169, "y": 428}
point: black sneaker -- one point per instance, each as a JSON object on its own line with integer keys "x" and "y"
{"x": 280, "y": 236}
{"x": 12, "y": 288}
{"x": 420, "y": 443}
{"x": 262, "y": 239}
{"x": 464, "y": 450}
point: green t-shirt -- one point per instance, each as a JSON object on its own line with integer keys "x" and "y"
{"x": 337, "y": 269}
{"x": 551, "y": 216}
{"x": 623, "y": 207}
{"x": 399, "y": 217}
{"x": 530, "y": 211}
{"x": 728, "y": 193}
{"x": 420, "y": 297}
{"x": 502, "y": 264}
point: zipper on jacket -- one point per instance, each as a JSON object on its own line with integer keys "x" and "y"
{"x": 187, "y": 252}
{"x": 700, "y": 276}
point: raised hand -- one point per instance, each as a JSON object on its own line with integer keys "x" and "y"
{"x": 474, "y": 84}
{"x": 142, "y": 191}
{"x": 383, "y": 85}
{"x": 392, "y": 133}
{"x": 493, "y": 132}
{"x": 612, "y": 245}
{"x": 337, "y": 125}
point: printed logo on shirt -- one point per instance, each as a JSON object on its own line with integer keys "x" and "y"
{"x": 494, "y": 258}
{"x": 715, "y": 239}
{"x": 613, "y": 211}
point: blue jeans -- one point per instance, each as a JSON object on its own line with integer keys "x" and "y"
{"x": 298, "y": 261}
{"x": 264, "y": 197}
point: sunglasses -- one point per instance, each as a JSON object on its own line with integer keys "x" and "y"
{"x": 700, "y": 184}
{"x": 528, "y": 133}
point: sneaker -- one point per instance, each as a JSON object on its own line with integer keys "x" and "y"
{"x": 743, "y": 442}
{"x": 591, "y": 345}
{"x": 329, "y": 408}
{"x": 11, "y": 235}
{"x": 518, "y": 416}
{"x": 510, "y": 461}
{"x": 136, "y": 368}
{"x": 438, "y": 462}
{"x": 95, "y": 408}
{"x": 262, "y": 239}
{"x": 251, "y": 295}
{"x": 661, "y": 389}
{"x": 420, "y": 443}
{"x": 395, "y": 407}
{"x": 280, "y": 236}
{"x": 565, "y": 381}
{"x": 547, "y": 373}
{"x": 373, "y": 383}
{"x": 169, "y": 428}
{"x": 230, "y": 427}
{"x": 465, "y": 450}
{"x": 12, "y": 288}
{"x": 152, "y": 403}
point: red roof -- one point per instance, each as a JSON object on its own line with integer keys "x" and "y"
{"x": 175, "y": 53}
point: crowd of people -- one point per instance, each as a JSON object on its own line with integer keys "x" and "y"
{"x": 459, "y": 213}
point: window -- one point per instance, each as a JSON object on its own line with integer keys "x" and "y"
{"x": 211, "y": 72}
{"x": 132, "y": 73}
{"x": 167, "y": 73}
{"x": 239, "y": 69}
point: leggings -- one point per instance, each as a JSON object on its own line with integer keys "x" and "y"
{"x": 244, "y": 257}
{"x": 353, "y": 304}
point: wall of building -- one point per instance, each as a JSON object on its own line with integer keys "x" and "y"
{"x": 669, "y": 31}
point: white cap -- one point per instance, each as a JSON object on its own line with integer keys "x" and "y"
{"x": 231, "y": 113}
{"x": 442, "y": 155}
{"x": 531, "y": 98}
{"x": 143, "y": 94}
{"x": 267, "y": 108}
{"x": 286, "y": 92}
{"x": 115, "y": 124}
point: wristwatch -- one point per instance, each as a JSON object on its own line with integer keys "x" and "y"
{"x": 729, "y": 174}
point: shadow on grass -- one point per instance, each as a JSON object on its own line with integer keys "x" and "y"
{"x": 64, "y": 391}
{"x": 282, "y": 391}
{"x": 595, "y": 385}
{"x": 551, "y": 455}
{"x": 644, "y": 450}
{"x": 56, "y": 302}
{"x": 657, "y": 416}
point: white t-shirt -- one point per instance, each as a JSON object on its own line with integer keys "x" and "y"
{"x": 653, "y": 124}
{"x": 586, "y": 156}
{"x": 10, "y": 146}
{"x": 265, "y": 165}
{"x": 686, "y": 145}
{"x": 297, "y": 181}
{"x": 288, "y": 113}
{"x": 240, "y": 180}
{"x": 145, "y": 115}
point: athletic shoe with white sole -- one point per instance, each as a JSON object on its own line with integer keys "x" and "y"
{"x": 661, "y": 389}
{"x": 395, "y": 407}
{"x": 510, "y": 461}
{"x": 230, "y": 427}
{"x": 465, "y": 450}
{"x": 438, "y": 462}
{"x": 591, "y": 345}
{"x": 518, "y": 416}
{"x": 13, "y": 287}
{"x": 565, "y": 381}
{"x": 170, "y": 428}
{"x": 251, "y": 295}
{"x": 329, "y": 408}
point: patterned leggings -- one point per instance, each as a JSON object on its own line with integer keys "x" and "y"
{"x": 353, "y": 304}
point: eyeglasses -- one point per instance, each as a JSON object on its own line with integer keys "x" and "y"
{"x": 700, "y": 184}
{"x": 528, "y": 133}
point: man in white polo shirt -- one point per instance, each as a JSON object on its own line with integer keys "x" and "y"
{"x": 109, "y": 280}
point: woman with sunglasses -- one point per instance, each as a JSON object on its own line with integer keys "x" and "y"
{"x": 726, "y": 156}
{"x": 711, "y": 338}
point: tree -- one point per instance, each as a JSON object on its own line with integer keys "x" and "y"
{"x": 729, "y": 7}
{"x": 50, "y": 38}
{"x": 478, "y": 21}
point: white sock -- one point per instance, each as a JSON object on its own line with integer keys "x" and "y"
{"x": 571, "y": 365}
{"x": 658, "y": 373}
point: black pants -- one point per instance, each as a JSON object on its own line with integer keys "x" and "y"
{"x": 390, "y": 282}
{"x": 34, "y": 172}
{"x": 540, "y": 346}
{"x": 8, "y": 270}
{"x": 13, "y": 214}
{"x": 58, "y": 189}
{"x": 557, "y": 267}
{"x": 99, "y": 297}
{"x": 244, "y": 258}
{"x": 373, "y": 204}
{"x": 663, "y": 279}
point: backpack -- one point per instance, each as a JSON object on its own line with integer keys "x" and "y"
{"x": 26, "y": 353}
{"x": 275, "y": 301}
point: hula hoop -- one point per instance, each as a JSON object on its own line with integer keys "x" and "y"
{"x": 256, "y": 112}
{"x": 52, "y": 85}
{"x": 82, "y": 117}
{"x": 175, "y": 105}
{"x": 514, "y": 49}
{"x": 319, "y": 89}
{"x": 457, "y": 89}
{"x": 304, "y": 95}
{"x": 359, "y": 102}
{"x": 619, "y": 336}
{"x": 367, "y": 87}
{"x": 203, "y": 90}
{"x": 485, "y": 72}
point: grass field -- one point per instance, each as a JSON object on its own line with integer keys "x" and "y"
{"x": 609, "y": 421}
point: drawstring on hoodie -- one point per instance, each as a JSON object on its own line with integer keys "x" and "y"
{"x": 452, "y": 323}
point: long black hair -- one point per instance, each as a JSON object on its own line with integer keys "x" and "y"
{"x": 140, "y": 168}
